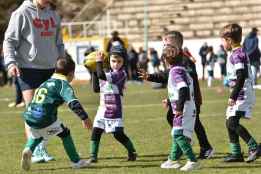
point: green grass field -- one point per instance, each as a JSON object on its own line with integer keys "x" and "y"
{"x": 145, "y": 124}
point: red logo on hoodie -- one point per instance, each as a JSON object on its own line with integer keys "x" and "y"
{"x": 45, "y": 25}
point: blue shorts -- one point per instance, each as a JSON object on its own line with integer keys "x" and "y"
{"x": 33, "y": 78}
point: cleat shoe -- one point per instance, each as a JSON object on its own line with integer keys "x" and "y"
{"x": 190, "y": 165}
{"x": 252, "y": 155}
{"x": 234, "y": 158}
{"x": 37, "y": 155}
{"x": 132, "y": 156}
{"x": 92, "y": 160}
{"x": 46, "y": 156}
{"x": 169, "y": 164}
{"x": 80, "y": 164}
{"x": 26, "y": 159}
{"x": 206, "y": 154}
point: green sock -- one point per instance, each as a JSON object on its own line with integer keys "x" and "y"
{"x": 129, "y": 146}
{"x": 94, "y": 148}
{"x": 32, "y": 143}
{"x": 252, "y": 144}
{"x": 70, "y": 148}
{"x": 185, "y": 147}
{"x": 235, "y": 148}
{"x": 176, "y": 152}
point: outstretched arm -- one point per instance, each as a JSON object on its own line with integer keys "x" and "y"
{"x": 77, "y": 108}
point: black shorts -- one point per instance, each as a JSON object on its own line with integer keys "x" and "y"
{"x": 33, "y": 78}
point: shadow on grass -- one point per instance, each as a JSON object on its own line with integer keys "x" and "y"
{"x": 254, "y": 166}
{"x": 98, "y": 167}
{"x": 139, "y": 156}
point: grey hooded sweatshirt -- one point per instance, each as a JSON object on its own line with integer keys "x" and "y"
{"x": 33, "y": 39}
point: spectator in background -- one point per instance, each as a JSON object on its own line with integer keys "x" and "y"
{"x": 132, "y": 64}
{"x": 210, "y": 62}
{"x": 251, "y": 48}
{"x": 18, "y": 95}
{"x": 222, "y": 60}
{"x": 3, "y": 73}
{"x": 203, "y": 54}
{"x": 32, "y": 44}
{"x": 154, "y": 59}
{"x": 142, "y": 59}
{"x": 114, "y": 41}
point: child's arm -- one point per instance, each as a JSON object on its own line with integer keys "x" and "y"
{"x": 77, "y": 108}
{"x": 99, "y": 66}
{"x": 183, "y": 96}
{"x": 95, "y": 82}
{"x": 241, "y": 76}
{"x": 161, "y": 77}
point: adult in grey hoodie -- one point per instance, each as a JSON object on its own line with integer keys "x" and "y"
{"x": 32, "y": 44}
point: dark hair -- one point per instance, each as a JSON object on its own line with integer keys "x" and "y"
{"x": 233, "y": 31}
{"x": 64, "y": 66}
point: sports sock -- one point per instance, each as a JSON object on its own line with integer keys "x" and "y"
{"x": 176, "y": 152}
{"x": 32, "y": 143}
{"x": 185, "y": 147}
{"x": 94, "y": 149}
{"x": 252, "y": 144}
{"x": 235, "y": 148}
{"x": 70, "y": 148}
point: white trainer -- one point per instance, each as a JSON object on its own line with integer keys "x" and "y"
{"x": 26, "y": 159}
{"x": 80, "y": 164}
{"x": 169, "y": 164}
{"x": 190, "y": 165}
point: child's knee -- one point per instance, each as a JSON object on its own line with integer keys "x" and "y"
{"x": 66, "y": 132}
{"x": 120, "y": 136}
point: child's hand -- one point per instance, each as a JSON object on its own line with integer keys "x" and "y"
{"x": 178, "y": 113}
{"x": 231, "y": 102}
{"x": 99, "y": 56}
{"x": 143, "y": 74}
{"x": 87, "y": 123}
{"x": 165, "y": 103}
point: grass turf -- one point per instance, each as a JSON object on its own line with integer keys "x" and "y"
{"x": 145, "y": 123}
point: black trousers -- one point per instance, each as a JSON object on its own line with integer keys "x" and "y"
{"x": 199, "y": 129}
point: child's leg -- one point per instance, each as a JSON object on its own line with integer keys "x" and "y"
{"x": 68, "y": 145}
{"x": 233, "y": 124}
{"x": 95, "y": 141}
{"x": 27, "y": 152}
{"x": 185, "y": 146}
{"x": 206, "y": 150}
{"x": 32, "y": 143}
{"x": 176, "y": 151}
{"x": 121, "y": 137}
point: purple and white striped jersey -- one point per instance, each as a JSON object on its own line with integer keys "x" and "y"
{"x": 179, "y": 78}
{"x": 239, "y": 60}
{"x": 111, "y": 92}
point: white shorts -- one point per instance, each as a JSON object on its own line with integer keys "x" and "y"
{"x": 240, "y": 106}
{"x": 186, "y": 122}
{"x": 108, "y": 125}
{"x": 46, "y": 133}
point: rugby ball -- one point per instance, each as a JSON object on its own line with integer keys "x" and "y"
{"x": 90, "y": 61}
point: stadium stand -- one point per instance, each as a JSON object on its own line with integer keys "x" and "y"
{"x": 195, "y": 18}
